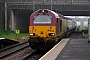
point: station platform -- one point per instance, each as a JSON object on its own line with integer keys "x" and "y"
{"x": 69, "y": 49}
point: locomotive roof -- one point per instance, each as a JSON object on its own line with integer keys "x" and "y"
{"x": 56, "y": 14}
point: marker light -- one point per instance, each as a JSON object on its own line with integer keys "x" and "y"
{"x": 42, "y": 10}
{"x": 31, "y": 34}
{"x": 51, "y": 34}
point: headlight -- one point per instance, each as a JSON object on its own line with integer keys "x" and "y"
{"x": 51, "y": 34}
{"x": 32, "y": 34}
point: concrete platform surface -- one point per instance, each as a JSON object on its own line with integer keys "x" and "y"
{"x": 75, "y": 49}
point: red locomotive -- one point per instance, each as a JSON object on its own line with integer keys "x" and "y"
{"x": 46, "y": 27}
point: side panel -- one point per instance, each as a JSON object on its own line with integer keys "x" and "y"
{"x": 70, "y": 24}
{"x": 61, "y": 26}
{"x": 57, "y": 26}
{"x": 64, "y": 25}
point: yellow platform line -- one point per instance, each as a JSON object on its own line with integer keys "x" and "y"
{"x": 53, "y": 53}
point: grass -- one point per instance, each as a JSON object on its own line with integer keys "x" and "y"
{"x": 9, "y": 34}
{"x": 85, "y": 34}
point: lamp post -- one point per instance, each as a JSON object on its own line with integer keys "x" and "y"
{"x": 5, "y": 16}
{"x": 33, "y": 5}
{"x": 72, "y": 2}
{"x": 43, "y": 1}
{"x": 51, "y": 4}
{"x": 89, "y": 30}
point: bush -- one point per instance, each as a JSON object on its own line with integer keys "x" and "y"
{"x": 9, "y": 34}
{"x": 85, "y": 28}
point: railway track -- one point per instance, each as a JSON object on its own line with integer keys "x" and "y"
{"x": 35, "y": 55}
{"x": 28, "y": 55}
{"x": 31, "y": 55}
{"x": 13, "y": 49}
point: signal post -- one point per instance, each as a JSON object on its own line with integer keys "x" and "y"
{"x": 17, "y": 31}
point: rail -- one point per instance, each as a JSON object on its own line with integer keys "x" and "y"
{"x": 13, "y": 49}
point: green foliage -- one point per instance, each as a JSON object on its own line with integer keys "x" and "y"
{"x": 85, "y": 34}
{"x": 85, "y": 28}
{"x": 23, "y": 35}
{"x": 9, "y": 34}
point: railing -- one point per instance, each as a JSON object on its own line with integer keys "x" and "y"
{"x": 74, "y": 2}
{"x": 58, "y": 2}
